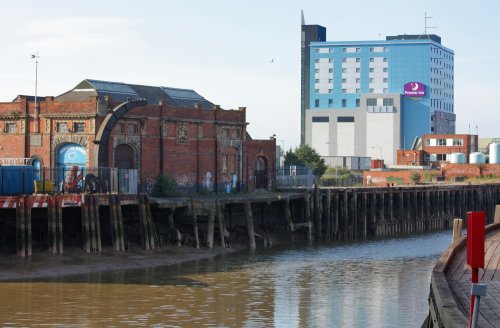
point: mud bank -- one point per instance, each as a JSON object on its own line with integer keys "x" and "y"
{"x": 75, "y": 261}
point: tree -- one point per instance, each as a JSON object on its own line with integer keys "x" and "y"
{"x": 307, "y": 156}
{"x": 165, "y": 185}
{"x": 291, "y": 158}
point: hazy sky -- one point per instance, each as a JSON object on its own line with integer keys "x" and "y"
{"x": 223, "y": 49}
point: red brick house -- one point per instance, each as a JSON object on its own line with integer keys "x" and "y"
{"x": 435, "y": 149}
{"x": 155, "y": 130}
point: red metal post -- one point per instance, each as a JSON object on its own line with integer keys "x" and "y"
{"x": 475, "y": 249}
{"x": 474, "y": 280}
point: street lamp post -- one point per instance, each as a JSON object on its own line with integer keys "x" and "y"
{"x": 35, "y": 57}
{"x": 282, "y": 165}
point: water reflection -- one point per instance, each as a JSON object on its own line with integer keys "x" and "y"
{"x": 374, "y": 284}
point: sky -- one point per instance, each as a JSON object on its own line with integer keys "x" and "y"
{"x": 236, "y": 53}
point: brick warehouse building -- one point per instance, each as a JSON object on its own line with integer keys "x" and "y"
{"x": 156, "y": 130}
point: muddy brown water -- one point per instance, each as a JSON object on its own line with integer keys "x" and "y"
{"x": 379, "y": 283}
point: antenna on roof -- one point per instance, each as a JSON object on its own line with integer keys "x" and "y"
{"x": 426, "y": 27}
{"x": 302, "y": 17}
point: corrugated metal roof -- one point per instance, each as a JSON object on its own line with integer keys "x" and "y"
{"x": 483, "y": 144}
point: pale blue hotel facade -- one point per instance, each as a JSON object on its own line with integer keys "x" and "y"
{"x": 363, "y": 83}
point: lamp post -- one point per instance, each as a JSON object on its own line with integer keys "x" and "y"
{"x": 282, "y": 155}
{"x": 35, "y": 57}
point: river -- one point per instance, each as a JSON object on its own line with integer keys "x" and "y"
{"x": 378, "y": 283}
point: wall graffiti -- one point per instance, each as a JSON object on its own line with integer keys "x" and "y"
{"x": 208, "y": 181}
{"x": 184, "y": 180}
{"x": 150, "y": 185}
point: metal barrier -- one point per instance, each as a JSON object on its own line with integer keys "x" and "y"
{"x": 25, "y": 180}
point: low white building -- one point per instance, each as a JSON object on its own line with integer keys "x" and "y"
{"x": 371, "y": 130}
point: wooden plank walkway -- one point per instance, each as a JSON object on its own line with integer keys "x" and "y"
{"x": 458, "y": 276}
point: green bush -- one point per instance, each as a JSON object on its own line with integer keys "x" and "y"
{"x": 428, "y": 176}
{"x": 416, "y": 177}
{"x": 165, "y": 185}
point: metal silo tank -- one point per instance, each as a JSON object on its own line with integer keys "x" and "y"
{"x": 457, "y": 158}
{"x": 477, "y": 158}
{"x": 495, "y": 153}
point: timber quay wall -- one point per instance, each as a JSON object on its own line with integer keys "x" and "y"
{"x": 97, "y": 221}
{"x": 444, "y": 308}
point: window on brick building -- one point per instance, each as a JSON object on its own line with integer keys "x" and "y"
{"x": 458, "y": 142}
{"x": 10, "y": 127}
{"x": 61, "y": 127}
{"x": 79, "y": 127}
{"x": 224, "y": 164}
{"x": 132, "y": 128}
{"x": 120, "y": 128}
{"x": 441, "y": 142}
{"x": 441, "y": 157}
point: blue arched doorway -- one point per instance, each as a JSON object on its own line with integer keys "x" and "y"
{"x": 71, "y": 166}
{"x": 36, "y": 163}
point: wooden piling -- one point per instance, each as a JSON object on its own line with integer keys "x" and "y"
{"x": 59, "y": 226}
{"x": 29, "y": 237}
{"x": 373, "y": 211}
{"x": 365, "y": 215}
{"x": 335, "y": 208}
{"x": 91, "y": 213}
{"x": 308, "y": 216}
{"x": 317, "y": 213}
{"x": 113, "y": 222}
{"x": 391, "y": 206}
{"x": 249, "y": 219}
{"x": 457, "y": 229}
{"x": 345, "y": 213}
{"x": 97, "y": 224}
{"x": 328, "y": 214}
{"x": 195, "y": 225}
{"x": 288, "y": 216}
{"x": 210, "y": 227}
{"x": 220, "y": 219}
{"x": 354, "y": 214}
{"x": 153, "y": 236}
{"x": 497, "y": 214}
{"x": 173, "y": 230}
{"x": 85, "y": 223}
{"x": 121, "y": 230}
{"x": 143, "y": 223}
{"x": 20, "y": 227}
{"x": 53, "y": 236}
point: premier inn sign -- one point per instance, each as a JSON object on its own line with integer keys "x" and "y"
{"x": 414, "y": 89}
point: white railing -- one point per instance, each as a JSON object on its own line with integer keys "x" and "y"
{"x": 11, "y": 161}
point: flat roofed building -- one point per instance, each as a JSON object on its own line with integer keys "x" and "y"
{"x": 416, "y": 68}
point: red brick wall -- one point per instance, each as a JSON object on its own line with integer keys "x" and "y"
{"x": 382, "y": 178}
{"x": 266, "y": 149}
{"x": 410, "y": 157}
{"x": 470, "y": 170}
{"x": 448, "y": 171}
{"x": 191, "y": 163}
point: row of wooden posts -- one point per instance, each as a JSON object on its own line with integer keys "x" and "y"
{"x": 324, "y": 214}
{"x": 355, "y": 213}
